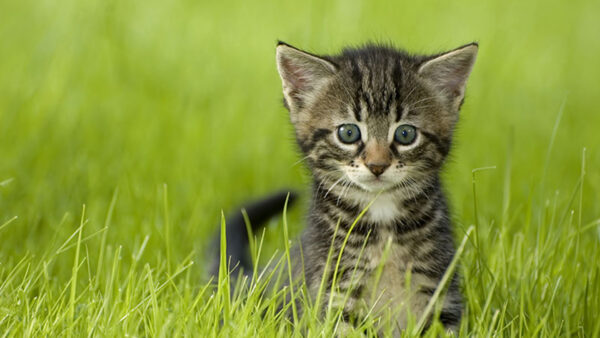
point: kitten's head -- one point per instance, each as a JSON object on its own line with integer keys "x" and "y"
{"x": 374, "y": 117}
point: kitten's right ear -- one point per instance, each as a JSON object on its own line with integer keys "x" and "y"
{"x": 448, "y": 72}
{"x": 302, "y": 75}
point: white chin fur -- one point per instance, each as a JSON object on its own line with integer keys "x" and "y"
{"x": 374, "y": 185}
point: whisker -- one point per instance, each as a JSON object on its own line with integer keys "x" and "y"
{"x": 333, "y": 185}
{"x": 424, "y": 106}
{"x": 300, "y": 160}
{"x": 341, "y": 193}
{"x": 344, "y": 191}
{"x": 424, "y": 99}
{"x": 337, "y": 99}
{"x": 409, "y": 94}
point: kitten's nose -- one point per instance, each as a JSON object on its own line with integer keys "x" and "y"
{"x": 377, "y": 168}
{"x": 377, "y": 157}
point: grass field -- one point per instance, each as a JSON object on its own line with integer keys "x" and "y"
{"x": 127, "y": 126}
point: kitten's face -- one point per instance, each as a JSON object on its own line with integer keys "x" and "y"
{"x": 377, "y": 138}
{"x": 373, "y": 118}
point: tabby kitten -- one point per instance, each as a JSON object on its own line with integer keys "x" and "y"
{"x": 375, "y": 124}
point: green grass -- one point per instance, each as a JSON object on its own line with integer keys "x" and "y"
{"x": 126, "y": 127}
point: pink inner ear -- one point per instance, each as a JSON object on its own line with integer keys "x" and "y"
{"x": 455, "y": 82}
{"x": 449, "y": 72}
{"x": 295, "y": 76}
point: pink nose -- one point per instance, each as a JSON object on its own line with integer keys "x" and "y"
{"x": 377, "y": 168}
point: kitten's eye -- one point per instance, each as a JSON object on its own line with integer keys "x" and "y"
{"x": 348, "y": 133}
{"x": 405, "y": 134}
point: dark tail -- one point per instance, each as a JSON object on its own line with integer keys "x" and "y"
{"x": 237, "y": 234}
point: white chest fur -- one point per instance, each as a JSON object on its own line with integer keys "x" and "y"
{"x": 383, "y": 208}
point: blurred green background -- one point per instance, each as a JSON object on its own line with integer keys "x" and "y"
{"x": 135, "y": 95}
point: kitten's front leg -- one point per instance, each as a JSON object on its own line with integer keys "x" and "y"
{"x": 345, "y": 305}
{"x": 343, "y": 299}
{"x": 450, "y": 313}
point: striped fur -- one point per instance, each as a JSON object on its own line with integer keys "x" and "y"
{"x": 406, "y": 227}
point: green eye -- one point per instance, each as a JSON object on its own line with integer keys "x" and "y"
{"x": 405, "y": 134}
{"x": 348, "y": 133}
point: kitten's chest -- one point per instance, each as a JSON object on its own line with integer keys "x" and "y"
{"x": 388, "y": 287}
{"x": 387, "y": 263}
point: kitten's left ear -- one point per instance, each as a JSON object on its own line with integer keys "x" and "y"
{"x": 302, "y": 75}
{"x": 449, "y": 72}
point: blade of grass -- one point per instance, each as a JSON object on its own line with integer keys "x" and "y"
{"x": 74, "y": 275}
{"x": 8, "y": 222}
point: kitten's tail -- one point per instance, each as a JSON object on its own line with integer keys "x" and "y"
{"x": 237, "y": 241}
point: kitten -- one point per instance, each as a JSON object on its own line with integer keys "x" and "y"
{"x": 375, "y": 124}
